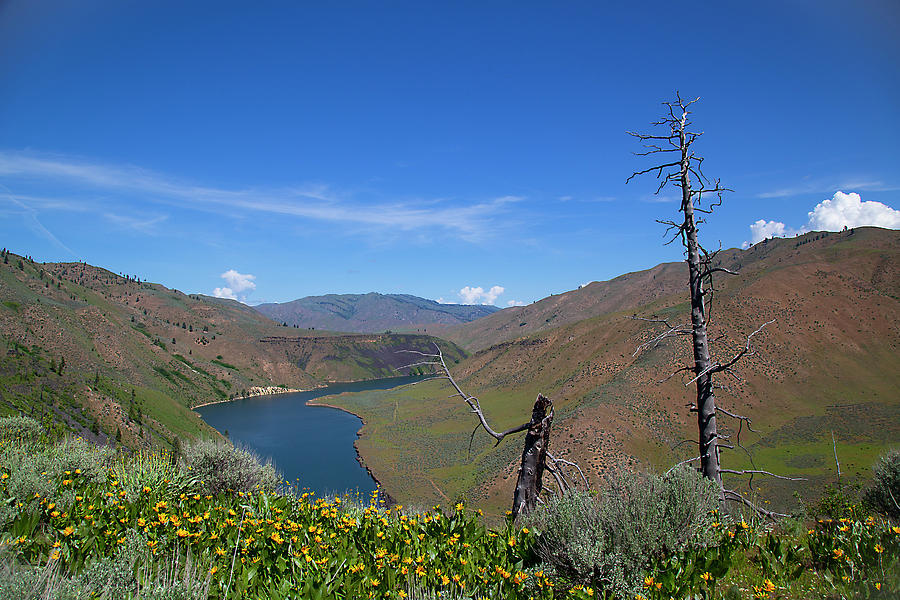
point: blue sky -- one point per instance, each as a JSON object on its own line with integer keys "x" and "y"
{"x": 286, "y": 149}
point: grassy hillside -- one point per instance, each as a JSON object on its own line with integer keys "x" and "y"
{"x": 109, "y": 356}
{"x": 829, "y": 363}
{"x": 373, "y": 312}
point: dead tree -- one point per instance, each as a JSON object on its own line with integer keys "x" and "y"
{"x": 681, "y": 167}
{"x": 536, "y": 457}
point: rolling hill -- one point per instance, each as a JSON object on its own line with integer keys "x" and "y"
{"x": 373, "y": 312}
{"x": 110, "y": 356}
{"x": 829, "y": 363}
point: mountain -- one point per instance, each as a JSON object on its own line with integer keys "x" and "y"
{"x": 373, "y": 312}
{"x": 103, "y": 355}
{"x": 830, "y": 363}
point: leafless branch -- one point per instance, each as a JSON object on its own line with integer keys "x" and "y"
{"x": 684, "y": 462}
{"x": 570, "y": 464}
{"x": 758, "y": 471}
{"x": 745, "y": 350}
{"x": 437, "y": 360}
{"x": 670, "y": 332}
{"x": 740, "y": 418}
{"x": 736, "y": 497}
{"x": 558, "y": 477}
{"x": 834, "y": 446}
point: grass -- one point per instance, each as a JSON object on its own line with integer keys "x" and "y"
{"x": 81, "y": 521}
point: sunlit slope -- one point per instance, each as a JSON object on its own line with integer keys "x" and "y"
{"x": 116, "y": 334}
{"x": 829, "y": 362}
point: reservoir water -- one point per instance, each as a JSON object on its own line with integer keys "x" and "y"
{"x": 312, "y": 444}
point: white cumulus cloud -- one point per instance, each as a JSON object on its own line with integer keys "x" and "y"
{"x": 515, "y": 303}
{"x": 477, "y": 295}
{"x": 763, "y": 229}
{"x": 237, "y": 283}
{"x": 224, "y": 292}
{"x": 849, "y": 210}
{"x": 841, "y": 210}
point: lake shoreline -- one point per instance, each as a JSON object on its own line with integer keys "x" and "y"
{"x": 271, "y": 391}
{"x": 383, "y": 494}
{"x": 320, "y": 396}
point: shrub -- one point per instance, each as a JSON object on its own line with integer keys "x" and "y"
{"x": 223, "y": 467}
{"x": 572, "y": 536}
{"x": 33, "y": 468}
{"x": 19, "y": 430}
{"x": 607, "y": 541}
{"x": 152, "y": 469}
{"x": 884, "y": 492}
{"x": 838, "y": 501}
{"x": 657, "y": 515}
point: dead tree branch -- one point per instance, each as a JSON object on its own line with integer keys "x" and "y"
{"x": 535, "y": 456}
{"x": 736, "y": 497}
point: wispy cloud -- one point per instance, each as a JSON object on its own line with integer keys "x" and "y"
{"x": 30, "y": 218}
{"x": 469, "y": 221}
{"x": 659, "y": 199}
{"x": 820, "y": 186}
{"x": 144, "y": 225}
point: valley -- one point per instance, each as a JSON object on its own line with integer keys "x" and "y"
{"x": 119, "y": 360}
{"x": 829, "y": 363}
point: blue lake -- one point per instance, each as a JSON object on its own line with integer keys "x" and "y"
{"x": 309, "y": 444}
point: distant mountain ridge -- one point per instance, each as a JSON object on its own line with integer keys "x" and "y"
{"x": 372, "y": 313}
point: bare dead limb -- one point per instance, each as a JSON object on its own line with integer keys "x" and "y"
{"x": 834, "y": 446}
{"x": 684, "y": 462}
{"x": 535, "y": 455}
{"x": 558, "y": 478}
{"x": 746, "y": 350}
{"x": 740, "y": 418}
{"x": 670, "y": 332}
{"x": 758, "y": 471}
{"x": 569, "y": 464}
{"x": 437, "y": 360}
{"x": 736, "y": 497}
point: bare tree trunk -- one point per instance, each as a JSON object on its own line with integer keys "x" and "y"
{"x": 677, "y": 139}
{"x": 534, "y": 456}
{"x": 706, "y": 400}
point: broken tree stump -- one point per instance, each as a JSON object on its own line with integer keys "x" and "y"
{"x": 534, "y": 456}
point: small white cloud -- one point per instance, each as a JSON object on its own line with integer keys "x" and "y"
{"x": 841, "y": 210}
{"x": 515, "y": 303}
{"x": 477, "y": 295}
{"x": 849, "y": 210}
{"x": 585, "y": 284}
{"x": 225, "y": 292}
{"x": 763, "y": 229}
{"x": 237, "y": 283}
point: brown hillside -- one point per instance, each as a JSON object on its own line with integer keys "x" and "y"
{"x": 117, "y": 335}
{"x": 830, "y": 360}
